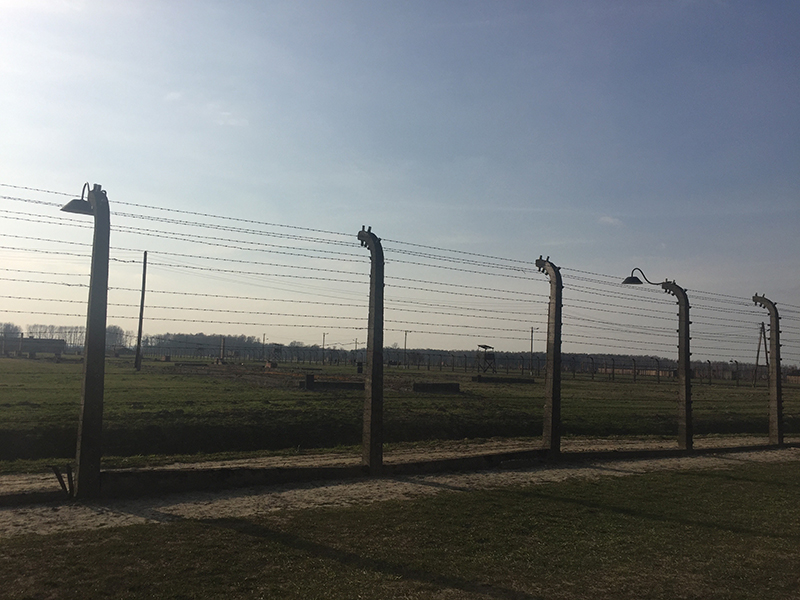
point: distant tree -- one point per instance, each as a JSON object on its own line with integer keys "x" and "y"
{"x": 10, "y": 330}
{"x": 115, "y": 336}
{"x": 73, "y": 334}
{"x": 37, "y": 330}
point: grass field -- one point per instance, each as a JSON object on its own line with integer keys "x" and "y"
{"x": 721, "y": 534}
{"x": 170, "y": 410}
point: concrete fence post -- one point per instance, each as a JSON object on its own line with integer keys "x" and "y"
{"x": 685, "y": 427}
{"x": 551, "y": 430}
{"x": 372, "y": 440}
{"x": 775, "y": 388}
{"x": 90, "y": 426}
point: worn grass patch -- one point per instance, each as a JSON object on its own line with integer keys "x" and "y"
{"x": 686, "y": 534}
{"x": 170, "y": 410}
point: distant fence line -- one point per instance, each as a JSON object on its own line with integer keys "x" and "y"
{"x": 19, "y": 344}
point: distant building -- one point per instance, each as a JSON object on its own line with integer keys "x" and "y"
{"x": 26, "y": 345}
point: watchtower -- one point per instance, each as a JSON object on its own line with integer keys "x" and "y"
{"x": 486, "y": 359}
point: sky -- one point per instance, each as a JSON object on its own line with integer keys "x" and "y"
{"x": 606, "y": 135}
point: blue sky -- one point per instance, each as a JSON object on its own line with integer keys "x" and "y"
{"x": 608, "y": 135}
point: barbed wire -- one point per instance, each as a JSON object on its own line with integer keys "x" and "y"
{"x": 44, "y": 219}
{"x": 720, "y": 329}
{"x": 529, "y": 264}
{"x": 64, "y": 283}
{"x": 32, "y": 189}
{"x": 32, "y": 272}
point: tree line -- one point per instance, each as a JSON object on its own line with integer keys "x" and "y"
{"x": 73, "y": 335}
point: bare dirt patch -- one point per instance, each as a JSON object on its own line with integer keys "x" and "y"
{"x": 248, "y": 502}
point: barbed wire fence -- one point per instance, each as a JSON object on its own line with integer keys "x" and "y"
{"x": 302, "y": 293}
{"x": 447, "y": 295}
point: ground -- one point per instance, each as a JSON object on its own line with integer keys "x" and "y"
{"x": 249, "y": 502}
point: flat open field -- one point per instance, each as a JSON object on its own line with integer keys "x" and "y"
{"x": 174, "y": 410}
{"x": 714, "y": 527}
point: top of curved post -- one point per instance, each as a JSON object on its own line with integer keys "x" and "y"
{"x": 673, "y": 288}
{"x": 765, "y": 302}
{"x": 371, "y": 241}
{"x": 545, "y": 266}
{"x": 366, "y": 235}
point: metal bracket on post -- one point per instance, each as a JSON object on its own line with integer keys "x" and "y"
{"x": 775, "y": 388}
{"x": 372, "y": 441}
{"x": 551, "y": 427}
{"x": 685, "y": 426}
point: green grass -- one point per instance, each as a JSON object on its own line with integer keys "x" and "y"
{"x": 723, "y": 534}
{"x": 165, "y": 411}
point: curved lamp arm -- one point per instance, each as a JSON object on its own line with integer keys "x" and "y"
{"x": 633, "y": 280}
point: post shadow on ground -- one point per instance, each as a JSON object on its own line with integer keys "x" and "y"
{"x": 358, "y": 561}
{"x": 625, "y": 511}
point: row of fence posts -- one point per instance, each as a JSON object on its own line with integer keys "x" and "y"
{"x": 372, "y": 454}
{"x": 88, "y": 452}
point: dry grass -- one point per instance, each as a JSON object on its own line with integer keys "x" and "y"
{"x": 729, "y": 533}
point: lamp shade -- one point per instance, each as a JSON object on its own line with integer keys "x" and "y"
{"x": 79, "y": 206}
{"x": 632, "y": 280}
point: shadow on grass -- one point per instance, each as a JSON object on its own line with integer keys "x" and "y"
{"x": 352, "y": 559}
{"x": 640, "y": 513}
{"x": 738, "y": 478}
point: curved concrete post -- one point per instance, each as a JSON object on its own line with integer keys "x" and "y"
{"x": 551, "y": 430}
{"x": 372, "y": 440}
{"x": 775, "y": 388}
{"x": 90, "y": 426}
{"x": 685, "y": 427}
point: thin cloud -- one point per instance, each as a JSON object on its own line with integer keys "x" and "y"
{"x": 613, "y": 221}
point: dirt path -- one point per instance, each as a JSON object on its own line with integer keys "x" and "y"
{"x": 248, "y": 502}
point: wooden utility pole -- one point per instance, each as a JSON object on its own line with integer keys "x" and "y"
{"x": 137, "y": 363}
{"x": 532, "y": 330}
{"x": 762, "y": 335}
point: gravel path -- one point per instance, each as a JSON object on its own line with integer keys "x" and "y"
{"x": 250, "y": 502}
